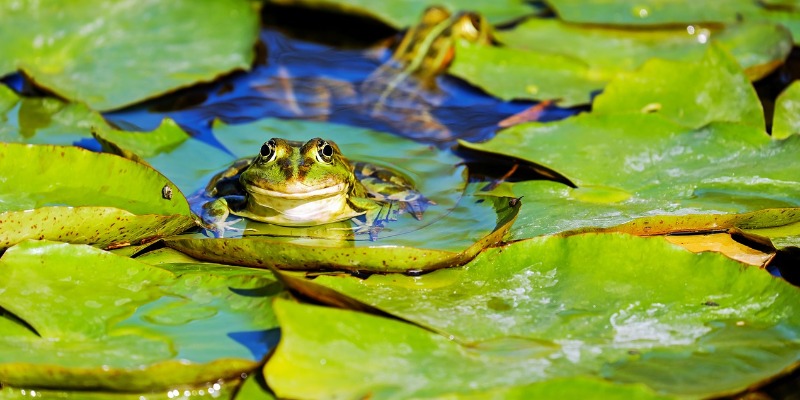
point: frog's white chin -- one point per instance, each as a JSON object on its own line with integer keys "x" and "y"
{"x": 310, "y": 208}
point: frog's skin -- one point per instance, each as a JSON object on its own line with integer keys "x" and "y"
{"x": 305, "y": 184}
{"x": 400, "y": 92}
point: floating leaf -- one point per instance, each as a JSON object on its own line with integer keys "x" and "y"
{"x": 390, "y": 254}
{"x": 691, "y": 94}
{"x": 595, "y": 304}
{"x": 758, "y": 47}
{"x": 786, "y": 121}
{"x": 107, "y": 321}
{"x": 135, "y": 145}
{"x": 76, "y": 195}
{"x": 136, "y": 51}
{"x": 672, "y": 12}
{"x": 44, "y": 120}
{"x": 406, "y": 13}
{"x": 520, "y": 74}
{"x": 677, "y": 179}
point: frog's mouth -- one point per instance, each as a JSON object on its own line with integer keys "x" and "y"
{"x": 298, "y": 192}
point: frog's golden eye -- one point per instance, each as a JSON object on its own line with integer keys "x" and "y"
{"x": 325, "y": 151}
{"x": 268, "y": 150}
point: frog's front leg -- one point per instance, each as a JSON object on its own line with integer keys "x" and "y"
{"x": 214, "y": 215}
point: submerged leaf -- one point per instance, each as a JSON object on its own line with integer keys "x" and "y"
{"x": 604, "y": 305}
{"x": 139, "y": 49}
{"x": 106, "y": 321}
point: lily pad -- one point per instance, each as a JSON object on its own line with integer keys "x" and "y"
{"x": 521, "y": 74}
{"x": 154, "y": 46}
{"x": 676, "y": 179}
{"x": 105, "y": 321}
{"x": 609, "y": 50}
{"x": 390, "y": 254}
{"x": 673, "y": 12}
{"x": 589, "y": 305}
{"x": 691, "y": 94}
{"x": 44, "y": 120}
{"x": 406, "y": 13}
{"x": 786, "y": 121}
{"x": 71, "y": 194}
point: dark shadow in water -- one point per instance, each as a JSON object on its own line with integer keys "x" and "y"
{"x": 260, "y": 343}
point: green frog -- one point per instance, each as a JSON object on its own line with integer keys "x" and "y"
{"x": 292, "y": 183}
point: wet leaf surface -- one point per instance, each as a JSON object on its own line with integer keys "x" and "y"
{"x": 76, "y": 195}
{"x": 587, "y": 305}
{"x": 786, "y": 121}
{"x": 44, "y": 120}
{"x": 106, "y": 321}
{"x": 78, "y": 56}
{"x": 691, "y": 94}
{"x": 677, "y": 179}
{"x": 610, "y": 50}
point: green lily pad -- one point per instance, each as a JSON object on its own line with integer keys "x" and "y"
{"x": 651, "y": 12}
{"x": 678, "y": 178}
{"x": 609, "y": 50}
{"x": 138, "y": 145}
{"x": 70, "y": 194}
{"x": 406, "y": 13}
{"x": 521, "y": 74}
{"x": 106, "y": 321}
{"x": 673, "y": 12}
{"x": 136, "y": 51}
{"x": 596, "y": 305}
{"x": 391, "y": 254}
{"x": 44, "y": 120}
{"x": 691, "y": 94}
{"x": 225, "y": 392}
{"x": 786, "y": 121}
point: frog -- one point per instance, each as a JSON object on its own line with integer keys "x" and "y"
{"x": 294, "y": 183}
{"x": 402, "y": 91}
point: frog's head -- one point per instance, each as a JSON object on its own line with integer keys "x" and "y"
{"x": 434, "y": 38}
{"x": 296, "y": 171}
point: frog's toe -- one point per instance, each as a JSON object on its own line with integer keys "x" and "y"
{"x": 417, "y": 207}
{"x": 362, "y": 228}
{"x": 218, "y": 228}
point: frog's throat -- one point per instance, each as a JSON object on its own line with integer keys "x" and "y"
{"x": 313, "y": 208}
{"x": 263, "y": 195}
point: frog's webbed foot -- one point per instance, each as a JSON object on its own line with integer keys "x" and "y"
{"x": 218, "y": 228}
{"x": 416, "y": 204}
{"x": 366, "y": 228}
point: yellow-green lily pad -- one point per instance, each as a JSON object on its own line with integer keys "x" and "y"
{"x": 674, "y": 178}
{"x": 609, "y": 50}
{"x": 614, "y": 306}
{"x": 786, "y": 120}
{"x": 44, "y": 120}
{"x": 403, "y": 14}
{"x": 137, "y": 50}
{"x": 103, "y": 321}
{"x": 690, "y": 93}
{"x": 71, "y": 194}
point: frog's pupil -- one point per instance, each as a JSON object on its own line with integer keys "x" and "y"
{"x": 326, "y": 150}
{"x": 266, "y": 150}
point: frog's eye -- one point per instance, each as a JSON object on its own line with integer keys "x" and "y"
{"x": 268, "y": 150}
{"x": 325, "y": 151}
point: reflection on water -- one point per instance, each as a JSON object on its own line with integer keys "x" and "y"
{"x": 303, "y": 80}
